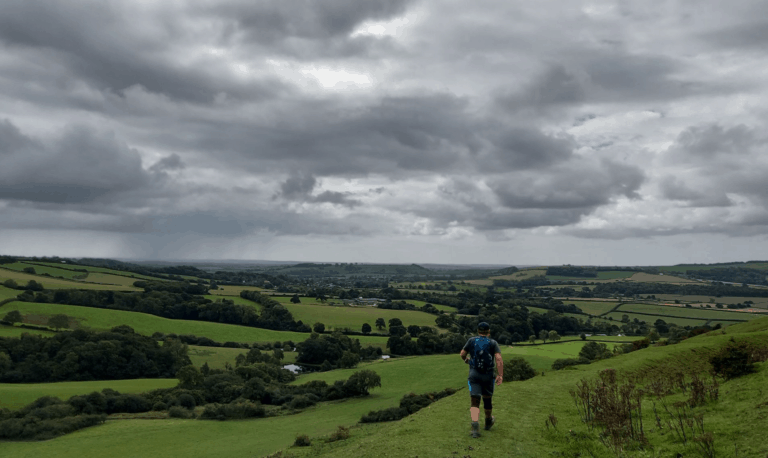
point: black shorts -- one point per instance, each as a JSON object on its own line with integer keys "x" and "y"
{"x": 480, "y": 384}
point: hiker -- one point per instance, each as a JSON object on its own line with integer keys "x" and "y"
{"x": 480, "y": 353}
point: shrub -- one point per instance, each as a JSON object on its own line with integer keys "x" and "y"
{"x": 341, "y": 434}
{"x": 734, "y": 360}
{"x": 562, "y": 363}
{"x": 518, "y": 369}
{"x": 187, "y": 401}
{"x": 302, "y": 440}
{"x": 179, "y": 412}
{"x": 301, "y": 401}
{"x": 159, "y": 406}
{"x": 235, "y": 410}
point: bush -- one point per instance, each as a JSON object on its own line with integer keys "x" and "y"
{"x": 341, "y": 434}
{"x": 568, "y": 362}
{"x": 301, "y": 401}
{"x": 187, "y": 401}
{"x": 518, "y": 369}
{"x": 410, "y": 403}
{"x": 235, "y": 410}
{"x": 734, "y": 360}
{"x": 302, "y": 440}
{"x": 159, "y": 406}
{"x": 179, "y": 412}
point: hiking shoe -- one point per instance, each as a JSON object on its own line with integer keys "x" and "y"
{"x": 489, "y": 422}
{"x": 475, "y": 429}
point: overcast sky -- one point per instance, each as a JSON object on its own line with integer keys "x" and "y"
{"x": 505, "y": 132}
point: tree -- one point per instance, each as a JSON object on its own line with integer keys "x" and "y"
{"x": 543, "y": 335}
{"x": 380, "y": 324}
{"x": 278, "y": 354}
{"x": 11, "y": 283}
{"x": 295, "y": 299}
{"x": 360, "y": 382}
{"x": 518, "y": 369}
{"x": 583, "y": 336}
{"x": 318, "y": 328}
{"x": 554, "y": 336}
{"x": 189, "y": 377}
{"x": 59, "y": 321}
{"x": 443, "y": 321}
{"x": 29, "y": 270}
{"x": 397, "y": 331}
{"x": 395, "y": 322}
{"x": 14, "y": 316}
{"x": 532, "y": 338}
{"x": 414, "y": 330}
{"x": 366, "y": 328}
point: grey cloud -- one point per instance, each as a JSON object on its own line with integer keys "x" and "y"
{"x": 172, "y": 162}
{"x": 79, "y": 166}
{"x": 113, "y": 54}
{"x": 527, "y": 148}
{"x": 674, "y": 189}
{"x": 580, "y": 187}
{"x": 707, "y": 142}
{"x": 299, "y": 187}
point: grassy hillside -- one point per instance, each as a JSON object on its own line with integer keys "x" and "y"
{"x": 17, "y": 395}
{"x": 353, "y": 317}
{"x": 15, "y": 331}
{"x": 100, "y": 319}
{"x": 49, "y": 269}
{"x": 521, "y": 410}
{"x": 59, "y": 283}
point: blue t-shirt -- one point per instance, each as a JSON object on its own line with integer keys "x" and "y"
{"x": 493, "y": 349}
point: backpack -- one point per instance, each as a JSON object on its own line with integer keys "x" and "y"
{"x": 482, "y": 357}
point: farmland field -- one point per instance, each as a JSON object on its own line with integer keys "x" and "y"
{"x": 17, "y": 395}
{"x": 15, "y": 331}
{"x": 759, "y": 302}
{"x": 684, "y": 267}
{"x": 686, "y": 312}
{"x": 593, "y": 307}
{"x": 651, "y": 319}
{"x": 104, "y": 270}
{"x": 103, "y": 319}
{"x": 228, "y": 290}
{"x": 444, "y": 308}
{"x": 8, "y": 293}
{"x": 651, "y": 278}
{"x": 236, "y": 299}
{"x": 45, "y": 269}
{"x": 58, "y": 283}
{"x": 602, "y": 275}
{"x": 353, "y": 317}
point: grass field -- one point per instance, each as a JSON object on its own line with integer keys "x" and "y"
{"x": 643, "y": 277}
{"x": 17, "y": 395}
{"x": 45, "y": 269}
{"x": 602, "y": 275}
{"x": 444, "y": 308}
{"x": 102, "y": 319}
{"x": 759, "y": 302}
{"x": 105, "y": 270}
{"x": 436, "y": 431}
{"x": 652, "y": 319}
{"x": 228, "y": 290}
{"x": 352, "y": 317}
{"x": 58, "y": 283}
{"x": 15, "y": 331}
{"x": 687, "y": 312}
{"x": 8, "y": 293}
{"x": 236, "y": 299}
{"x": 593, "y": 307}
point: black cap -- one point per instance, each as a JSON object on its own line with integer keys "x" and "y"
{"x": 483, "y": 326}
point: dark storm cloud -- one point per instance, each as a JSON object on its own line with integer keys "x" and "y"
{"x": 172, "y": 162}
{"x": 114, "y": 46}
{"x": 674, "y": 189}
{"x": 521, "y": 148}
{"x": 78, "y": 166}
{"x": 299, "y": 187}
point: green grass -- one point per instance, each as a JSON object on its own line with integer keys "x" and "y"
{"x": 437, "y": 431}
{"x": 101, "y": 319}
{"x": 8, "y": 293}
{"x": 45, "y": 269}
{"x": 17, "y": 395}
{"x": 57, "y": 283}
{"x": 684, "y": 267}
{"x": 236, "y": 299}
{"x": 687, "y": 312}
{"x": 98, "y": 270}
{"x": 652, "y": 319}
{"x": 602, "y": 275}
{"x": 352, "y": 317}
{"x": 593, "y": 307}
{"x": 759, "y": 302}
{"x": 228, "y": 290}
{"x": 15, "y": 331}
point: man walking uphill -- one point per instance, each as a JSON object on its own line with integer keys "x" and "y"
{"x": 481, "y": 352}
